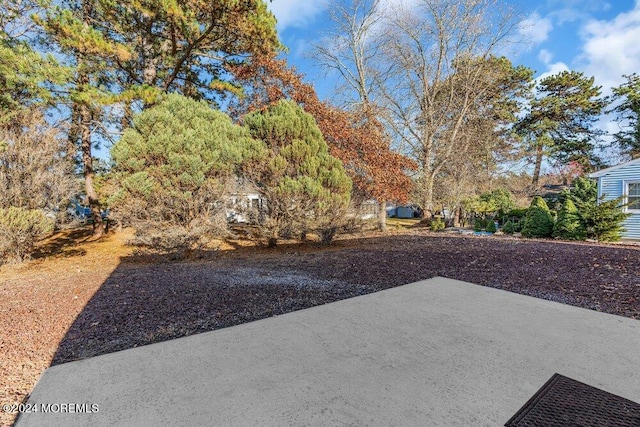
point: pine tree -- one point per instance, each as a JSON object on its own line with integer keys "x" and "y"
{"x": 628, "y": 115}
{"x": 583, "y": 191}
{"x": 26, "y": 75}
{"x": 508, "y": 228}
{"x": 171, "y": 170}
{"x": 603, "y": 220}
{"x": 305, "y": 188}
{"x": 538, "y": 221}
{"x": 569, "y": 225}
{"x": 183, "y": 46}
{"x": 132, "y": 52}
{"x": 560, "y": 123}
{"x": 70, "y": 32}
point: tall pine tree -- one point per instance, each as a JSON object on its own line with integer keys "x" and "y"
{"x": 132, "y": 52}
{"x": 171, "y": 170}
{"x": 559, "y": 124}
{"x": 628, "y": 115}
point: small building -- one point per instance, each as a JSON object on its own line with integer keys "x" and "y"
{"x": 623, "y": 180}
{"x": 244, "y": 204}
{"x": 403, "y": 211}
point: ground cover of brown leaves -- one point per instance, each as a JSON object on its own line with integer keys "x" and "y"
{"x": 80, "y": 298}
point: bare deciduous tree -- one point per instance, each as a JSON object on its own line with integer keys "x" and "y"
{"x": 440, "y": 52}
{"x": 36, "y": 166}
{"x": 354, "y": 50}
{"x": 36, "y": 182}
{"x": 428, "y": 69}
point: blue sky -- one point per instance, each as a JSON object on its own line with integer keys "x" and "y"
{"x": 599, "y": 38}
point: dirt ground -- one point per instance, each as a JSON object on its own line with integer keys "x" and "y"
{"x": 79, "y": 298}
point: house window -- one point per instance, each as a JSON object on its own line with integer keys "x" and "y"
{"x": 633, "y": 196}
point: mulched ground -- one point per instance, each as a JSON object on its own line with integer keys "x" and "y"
{"x": 84, "y": 303}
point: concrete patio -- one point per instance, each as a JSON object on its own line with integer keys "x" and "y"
{"x": 438, "y": 352}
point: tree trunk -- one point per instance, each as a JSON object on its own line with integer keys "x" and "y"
{"x": 87, "y": 160}
{"x": 382, "y": 215}
{"x": 81, "y": 134}
{"x": 427, "y": 197}
{"x": 536, "y": 170}
{"x": 456, "y": 217}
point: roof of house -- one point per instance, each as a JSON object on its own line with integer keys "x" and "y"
{"x": 603, "y": 172}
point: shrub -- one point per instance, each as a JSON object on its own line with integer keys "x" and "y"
{"x": 36, "y": 166}
{"x": 538, "y": 221}
{"x": 437, "y": 224}
{"x": 583, "y": 191}
{"x": 599, "y": 219}
{"x": 603, "y": 221}
{"x": 479, "y": 224}
{"x": 569, "y": 225}
{"x": 501, "y": 199}
{"x": 508, "y": 228}
{"x": 36, "y": 176}
{"x": 305, "y": 188}
{"x": 171, "y": 171}
{"x": 516, "y": 217}
{"x": 20, "y": 228}
{"x": 491, "y": 226}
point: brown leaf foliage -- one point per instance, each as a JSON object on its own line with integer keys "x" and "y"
{"x": 356, "y": 138}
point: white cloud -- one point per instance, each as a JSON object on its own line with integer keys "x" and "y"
{"x": 612, "y": 48}
{"x": 535, "y": 29}
{"x": 567, "y": 11}
{"x": 545, "y": 56}
{"x": 295, "y": 13}
{"x": 555, "y": 68}
{"x": 566, "y": 15}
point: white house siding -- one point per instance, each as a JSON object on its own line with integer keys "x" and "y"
{"x": 612, "y": 183}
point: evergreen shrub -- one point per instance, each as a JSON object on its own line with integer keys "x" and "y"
{"x": 538, "y": 221}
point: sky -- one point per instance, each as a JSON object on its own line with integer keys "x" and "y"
{"x": 599, "y": 38}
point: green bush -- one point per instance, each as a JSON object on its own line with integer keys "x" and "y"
{"x": 491, "y": 227}
{"x": 603, "y": 221}
{"x": 171, "y": 171}
{"x": 437, "y": 224}
{"x": 599, "y": 219}
{"x": 539, "y": 221}
{"x": 583, "y": 191}
{"x": 305, "y": 188}
{"x": 569, "y": 225}
{"x": 500, "y": 198}
{"x": 508, "y": 228}
{"x": 516, "y": 217}
{"x": 20, "y": 229}
{"x": 479, "y": 224}
{"x": 517, "y": 213}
